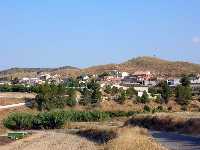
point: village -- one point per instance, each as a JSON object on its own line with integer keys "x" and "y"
{"x": 141, "y": 81}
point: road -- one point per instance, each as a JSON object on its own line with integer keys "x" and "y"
{"x": 175, "y": 141}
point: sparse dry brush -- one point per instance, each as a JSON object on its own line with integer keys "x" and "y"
{"x": 167, "y": 123}
{"x": 133, "y": 139}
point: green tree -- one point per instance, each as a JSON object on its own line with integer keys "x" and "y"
{"x": 185, "y": 81}
{"x": 183, "y": 94}
{"x": 50, "y": 97}
{"x": 108, "y": 89}
{"x": 130, "y": 92}
{"x": 122, "y": 98}
{"x": 86, "y": 97}
{"x": 114, "y": 91}
{"x": 144, "y": 98}
{"x": 165, "y": 91}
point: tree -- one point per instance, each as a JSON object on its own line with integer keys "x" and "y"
{"x": 94, "y": 88}
{"x": 86, "y": 99}
{"x": 108, "y": 89}
{"x": 130, "y": 92}
{"x": 183, "y": 94}
{"x": 144, "y": 98}
{"x": 122, "y": 97}
{"x": 165, "y": 91}
{"x": 185, "y": 81}
{"x": 50, "y": 97}
{"x": 114, "y": 91}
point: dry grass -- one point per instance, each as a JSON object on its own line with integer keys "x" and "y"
{"x": 9, "y": 101}
{"x": 167, "y": 122}
{"x": 133, "y": 139}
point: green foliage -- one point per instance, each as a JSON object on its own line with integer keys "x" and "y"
{"x": 14, "y": 88}
{"x": 50, "y": 97}
{"x": 94, "y": 88}
{"x": 86, "y": 97}
{"x": 121, "y": 113}
{"x": 114, "y": 91}
{"x": 165, "y": 91}
{"x": 122, "y": 97}
{"x": 52, "y": 119}
{"x": 147, "y": 108}
{"x": 183, "y": 94}
{"x": 158, "y": 109}
{"x": 108, "y": 89}
{"x": 130, "y": 92}
{"x": 48, "y": 120}
{"x": 185, "y": 80}
{"x": 71, "y": 102}
{"x": 144, "y": 98}
{"x": 19, "y": 121}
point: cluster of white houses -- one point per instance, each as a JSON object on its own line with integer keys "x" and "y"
{"x": 140, "y": 80}
{"x": 41, "y": 79}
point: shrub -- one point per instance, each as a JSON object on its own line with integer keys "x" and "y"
{"x": 52, "y": 119}
{"x": 144, "y": 98}
{"x": 147, "y": 108}
{"x": 19, "y": 121}
{"x": 49, "y": 120}
{"x": 158, "y": 109}
{"x": 71, "y": 102}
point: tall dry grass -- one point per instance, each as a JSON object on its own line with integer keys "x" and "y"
{"x": 133, "y": 139}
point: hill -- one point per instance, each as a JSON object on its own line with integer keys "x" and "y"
{"x": 157, "y": 66}
{"x": 32, "y": 72}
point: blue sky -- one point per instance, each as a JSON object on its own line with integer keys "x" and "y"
{"x": 82, "y": 33}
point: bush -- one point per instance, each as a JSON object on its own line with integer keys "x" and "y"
{"x": 147, "y": 108}
{"x": 121, "y": 113}
{"x": 19, "y": 121}
{"x": 49, "y": 120}
{"x": 158, "y": 109}
{"x": 144, "y": 98}
{"x": 71, "y": 102}
{"x": 52, "y": 119}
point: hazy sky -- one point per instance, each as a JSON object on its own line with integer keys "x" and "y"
{"x": 50, "y": 33}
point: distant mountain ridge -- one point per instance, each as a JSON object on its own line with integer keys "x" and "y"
{"x": 157, "y": 66}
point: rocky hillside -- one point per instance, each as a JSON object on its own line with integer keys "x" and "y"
{"x": 155, "y": 65}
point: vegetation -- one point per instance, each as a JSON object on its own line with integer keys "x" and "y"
{"x": 51, "y": 119}
{"x": 167, "y": 123}
{"x": 50, "y": 97}
{"x": 122, "y": 97}
{"x": 144, "y": 98}
{"x": 165, "y": 91}
{"x": 183, "y": 92}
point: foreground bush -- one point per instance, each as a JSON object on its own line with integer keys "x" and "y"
{"x": 51, "y": 120}
{"x": 19, "y": 121}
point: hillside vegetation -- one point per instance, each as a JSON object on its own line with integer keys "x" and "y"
{"x": 155, "y": 65}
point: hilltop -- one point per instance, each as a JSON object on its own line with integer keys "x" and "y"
{"x": 157, "y": 66}
{"x": 32, "y": 72}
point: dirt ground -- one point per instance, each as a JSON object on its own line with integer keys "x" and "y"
{"x": 51, "y": 140}
{"x": 16, "y": 95}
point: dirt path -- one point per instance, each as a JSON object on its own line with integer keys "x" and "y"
{"x": 51, "y": 140}
{"x": 175, "y": 141}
